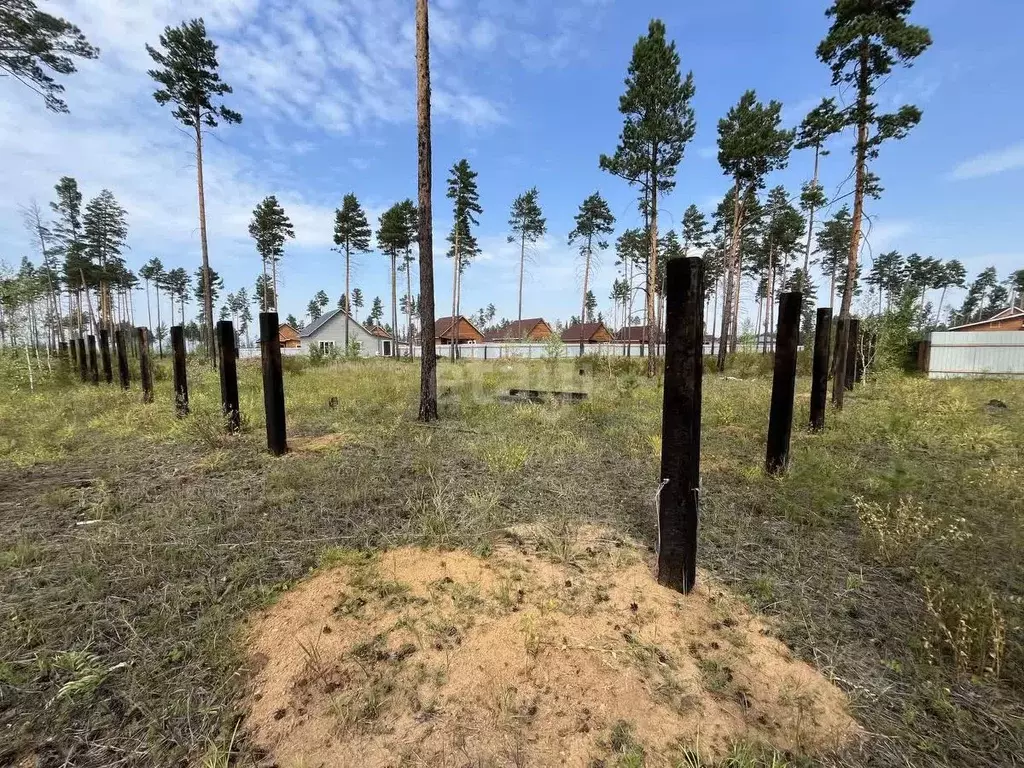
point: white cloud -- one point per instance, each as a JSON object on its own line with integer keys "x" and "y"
{"x": 990, "y": 163}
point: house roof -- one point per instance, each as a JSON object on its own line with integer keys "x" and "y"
{"x": 379, "y": 332}
{"x": 582, "y": 331}
{"x": 282, "y": 326}
{"x": 632, "y": 333}
{"x": 1009, "y": 313}
{"x": 443, "y": 326}
{"x": 511, "y": 331}
{"x": 325, "y": 318}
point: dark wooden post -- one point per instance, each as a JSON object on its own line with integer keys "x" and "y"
{"x": 83, "y": 361}
{"x": 94, "y": 366}
{"x": 228, "y": 373}
{"x": 819, "y": 376}
{"x": 73, "y": 348}
{"x": 273, "y": 383}
{"x": 679, "y": 498}
{"x": 180, "y": 372}
{"x": 146, "y": 373}
{"x": 780, "y": 419}
{"x": 852, "y": 353}
{"x": 108, "y": 371}
{"x": 122, "y": 359}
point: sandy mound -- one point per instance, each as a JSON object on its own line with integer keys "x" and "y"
{"x": 554, "y": 650}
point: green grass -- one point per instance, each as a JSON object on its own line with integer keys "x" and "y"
{"x": 135, "y": 542}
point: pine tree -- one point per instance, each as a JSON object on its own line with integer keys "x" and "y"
{"x": 887, "y": 274}
{"x": 659, "y": 122}
{"x": 528, "y": 225}
{"x": 32, "y": 42}
{"x": 590, "y": 304}
{"x": 376, "y": 312}
{"x": 70, "y": 242}
{"x": 314, "y": 310}
{"x": 863, "y": 45}
{"x": 833, "y": 241}
{"x": 263, "y": 293}
{"x": 188, "y": 79}
{"x": 821, "y": 123}
{"x": 105, "y": 229}
{"x": 750, "y": 145}
{"x": 428, "y": 356}
{"x": 463, "y": 193}
{"x": 357, "y": 302}
{"x": 352, "y": 234}
{"x": 270, "y": 228}
{"x": 153, "y": 273}
{"x": 178, "y": 284}
{"x": 783, "y": 227}
{"x": 410, "y": 219}
{"x": 1016, "y": 283}
{"x": 202, "y": 295}
{"x": 394, "y": 237}
{"x": 953, "y": 276}
{"x": 594, "y": 222}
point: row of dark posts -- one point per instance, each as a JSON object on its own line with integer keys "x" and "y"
{"x": 679, "y": 494}
{"x": 81, "y": 354}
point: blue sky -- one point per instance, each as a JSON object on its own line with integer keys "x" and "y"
{"x": 528, "y": 92}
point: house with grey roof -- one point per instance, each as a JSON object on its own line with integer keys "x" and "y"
{"x": 327, "y": 333}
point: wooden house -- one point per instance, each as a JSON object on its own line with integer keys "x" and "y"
{"x": 460, "y": 330}
{"x": 633, "y": 333}
{"x": 527, "y": 329}
{"x": 1009, "y": 319}
{"x": 288, "y": 336}
{"x": 588, "y": 333}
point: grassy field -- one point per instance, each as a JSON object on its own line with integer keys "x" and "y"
{"x": 134, "y": 544}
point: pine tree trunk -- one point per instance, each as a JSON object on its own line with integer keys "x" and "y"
{"x": 428, "y": 361}
{"x": 810, "y": 222}
{"x": 586, "y": 280}
{"x": 942, "y": 297}
{"x": 159, "y": 322}
{"x": 394, "y": 306}
{"x": 629, "y": 307}
{"x": 348, "y": 297}
{"x": 207, "y": 286}
{"x": 408, "y": 299}
{"x": 732, "y": 265}
{"x": 652, "y": 273}
{"x": 839, "y": 376}
{"x": 456, "y": 260}
{"x": 273, "y": 277}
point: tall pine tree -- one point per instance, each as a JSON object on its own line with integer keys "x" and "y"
{"x": 863, "y": 45}
{"x": 188, "y": 80}
{"x": 594, "y": 222}
{"x": 750, "y": 145}
{"x": 658, "y": 123}
{"x": 528, "y": 225}
{"x": 351, "y": 234}
{"x": 462, "y": 191}
{"x": 270, "y": 228}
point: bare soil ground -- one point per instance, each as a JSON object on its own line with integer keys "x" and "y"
{"x": 533, "y": 655}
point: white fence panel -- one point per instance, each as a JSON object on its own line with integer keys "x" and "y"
{"x": 957, "y": 354}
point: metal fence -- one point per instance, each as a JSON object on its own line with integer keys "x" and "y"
{"x": 959, "y": 354}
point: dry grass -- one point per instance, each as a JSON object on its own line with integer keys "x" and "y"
{"x": 135, "y": 543}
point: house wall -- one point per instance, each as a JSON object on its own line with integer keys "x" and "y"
{"x": 539, "y": 332}
{"x": 334, "y": 330}
{"x": 465, "y": 331}
{"x": 955, "y": 354}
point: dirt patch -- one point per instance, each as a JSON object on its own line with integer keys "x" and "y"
{"x": 555, "y": 649}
